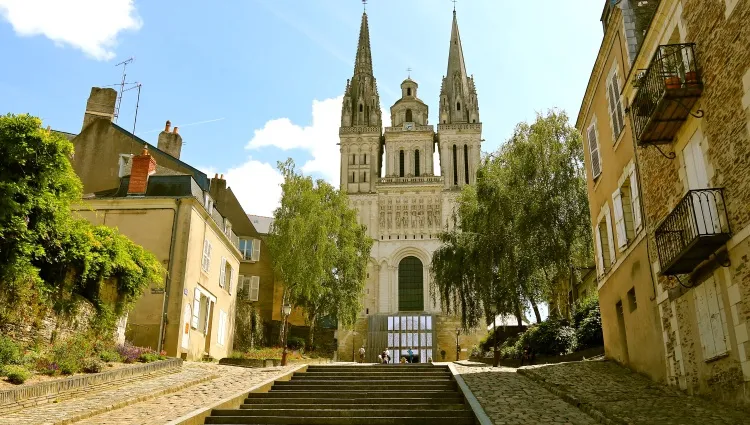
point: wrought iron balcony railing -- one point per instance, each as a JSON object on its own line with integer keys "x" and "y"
{"x": 693, "y": 231}
{"x": 667, "y": 92}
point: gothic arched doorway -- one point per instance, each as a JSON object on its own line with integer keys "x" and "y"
{"x": 410, "y": 285}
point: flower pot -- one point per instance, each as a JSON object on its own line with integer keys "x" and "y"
{"x": 691, "y": 78}
{"x": 672, "y": 82}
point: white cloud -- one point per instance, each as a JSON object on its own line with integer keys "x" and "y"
{"x": 89, "y": 25}
{"x": 319, "y": 139}
{"x": 256, "y": 184}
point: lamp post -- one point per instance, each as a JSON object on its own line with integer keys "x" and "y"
{"x": 286, "y": 309}
{"x": 354, "y": 334}
{"x": 458, "y": 347}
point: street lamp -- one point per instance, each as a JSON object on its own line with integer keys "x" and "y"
{"x": 458, "y": 347}
{"x": 354, "y": 334}
{"x": 286, "y": 309}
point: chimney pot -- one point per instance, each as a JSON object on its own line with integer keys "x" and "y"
{"x": 167, "y": 126}
{"x": 176, "y": 130}
{"x": 222, "y": 176}
{"x": 216, "y": 175}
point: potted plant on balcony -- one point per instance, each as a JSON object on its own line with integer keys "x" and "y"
{"x": 691, "y": 78}
{"x": 672, "y": 69}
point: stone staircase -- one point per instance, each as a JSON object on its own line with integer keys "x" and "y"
{"x": 414, "y": 394}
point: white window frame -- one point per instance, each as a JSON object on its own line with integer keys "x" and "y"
{"x": 247, "y": 254}
{"x": 592, "y": 129}
{"x": 200, "y": 294}
{"x": 256, "y": 250}
{"x": 711, "y": 318}
{"x": 614, "y": 104}
{"x": 223, "y": 272}
{"x": 206, "y": 259}
{"x": 622, "y": 237}
{"x": 604, "y": 218}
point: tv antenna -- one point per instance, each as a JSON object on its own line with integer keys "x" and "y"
{"x": 122, "y": 84}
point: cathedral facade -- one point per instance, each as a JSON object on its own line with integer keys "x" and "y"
{"x": 388, "y": 175}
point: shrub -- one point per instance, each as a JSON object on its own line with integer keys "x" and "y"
{"x": 10, "y": 351}
{"x": 149, "y": 357}
{"x": 92, "y": 365}
{"x": 553, "y": 337}
{"x": 110, "y": 356}
{"x": 295, "y": 343}
{"x": 130, "y": 353}
{"x": 31, "y": 358}
{"x": 16, "y": 374}
{"x": 588, "y": 323}
{"x": 69, "y": 354}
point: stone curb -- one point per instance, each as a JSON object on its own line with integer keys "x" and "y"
{"x": 138, "y": 399}
{"x": 8, "y": 398}
{"x": 596, "y": 413}
{"x": 476, "y": 407}
{"x": 197, "y": 416}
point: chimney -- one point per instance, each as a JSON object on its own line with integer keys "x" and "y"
{"x": 170, "y": 143}
{"x": 101, "y": 105}
{"x": 143, "y": 165}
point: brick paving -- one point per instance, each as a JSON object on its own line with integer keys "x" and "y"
{"x": 509, "y": 398}
{"x": 606, "y": 389}
{"x": 148, "y": 401}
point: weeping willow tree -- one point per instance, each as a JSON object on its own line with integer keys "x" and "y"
{"x": 519, "y": 229}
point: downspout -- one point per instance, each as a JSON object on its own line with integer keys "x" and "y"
{"x": 168, "y": 279}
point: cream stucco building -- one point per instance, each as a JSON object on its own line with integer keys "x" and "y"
{"x": 388, "y": 174}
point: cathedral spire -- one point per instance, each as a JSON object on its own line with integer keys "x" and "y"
{"x": 458, "y": 97}
{"x": 361, "y": 106}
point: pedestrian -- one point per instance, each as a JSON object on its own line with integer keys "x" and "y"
{"x": 411, "y": 355}
{"x": 525, "y": 354}
{"x": 385, "y": 357}
{"x": 362, "y": 354}
{"x": 403, "y": 360}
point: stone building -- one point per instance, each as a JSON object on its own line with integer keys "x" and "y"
{"x": 630, "y": 322}
{"x": 390, "y": 181}
{"x": 686, "y": 99}
{"x": 166, "y": 206}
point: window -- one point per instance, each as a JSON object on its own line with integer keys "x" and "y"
{"x": 615, "y": 105}
{"x": 596, "y": 160}
{"x": 364, "y": 176}
{"x": 206, "y": 261}
{"x": 364, "y": 159}
{"x": 416, "y": 163}
{"x": 410, "y": 285}
{"x": 246, "y": 248}
{"x": 222, "y": 335}
{"x": 208, "y": 203}
{"x": 409, "y": 117}
{"x": 712, "y": 324}
{"x": 632, "y": 302}
{"x": 249, "y": 288}
{"x": 226, "y": 275}
{"x": 361, "y": 108}
{"x": 256, "y": 250}
{"x": 354, "y": 159}
{"x": 604, "y": 244}
{"x": 202, "y": 302}
{"x": 401, "y": 163}
{"x": 351, "y": 177}
{"x": 627, "y": 210}
{"x": 466, "y": 164}
{"x": 458, "y": 106}
{"x": 408, "y": 91}
{"x": 455, "y": 166}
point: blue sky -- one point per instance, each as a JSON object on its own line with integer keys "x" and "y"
{"x": 251, "y": 82}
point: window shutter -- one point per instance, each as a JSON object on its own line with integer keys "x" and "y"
{"x": 704, "y": 322}
{"x": 596, "y": 162}
{"x": 599, "y": 255}
{"x": 196, "y": 308}
{"x": 254, "y": 288}
{"x": 622, "y": 238}
{"x": 635, "y": 201}
{"x": 716, "y": 316}
{"x": 208, "y": 316}
{"x": 231, "y": 279}
{"x": 256, "y": 249}
{"x": 610, "y": 239}
{"x": 223, "y": 272}
{"x": 221, "y": 336}
{"x": 618, "y": 102}
{"x": 615, "y": 105}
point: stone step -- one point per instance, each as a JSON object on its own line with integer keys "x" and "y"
{"x": 354, "y": 395}
{"x": 380, "y": 368}
{"x": 338, "y": 420}
{"x": 335, "y": 404}
{"x": 349, "y": 413}
{"x": 415, "y": 375}
{"x": 371, "y": 378}
{"x": 361, "y": 386}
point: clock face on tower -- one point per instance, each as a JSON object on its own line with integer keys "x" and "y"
{"x": 409, "y": 126}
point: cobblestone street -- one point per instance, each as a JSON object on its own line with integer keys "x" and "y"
{"x": 153, "y": 401}
{"x": 548, "y": 394}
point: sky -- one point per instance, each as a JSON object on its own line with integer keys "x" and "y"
{"x": 253, "y": 82}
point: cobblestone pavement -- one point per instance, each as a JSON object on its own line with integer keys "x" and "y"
{"x": 162, "y": 409}
{"x": 624, "y": 397}
{"x": 150, "y": 401}
{"x": 509, "y": 398}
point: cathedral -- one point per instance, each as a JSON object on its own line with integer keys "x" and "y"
{"x": 406, "y": 208}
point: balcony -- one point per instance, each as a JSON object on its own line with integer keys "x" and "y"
{"x": 694, "y": 230}
{"x": 411, "y": 180}
{"x": 667, "y": 92}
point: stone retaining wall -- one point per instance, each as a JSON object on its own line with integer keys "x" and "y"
{"x": 66, "y": 388}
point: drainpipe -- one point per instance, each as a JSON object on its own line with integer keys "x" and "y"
{"x": 168, "y": 279}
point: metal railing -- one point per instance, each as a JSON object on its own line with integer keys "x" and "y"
{"x": 415, "y": 128}
{"x": 410, "y": 180}
{"x": 672, "y": 68}
{"x": 701, "y": 214}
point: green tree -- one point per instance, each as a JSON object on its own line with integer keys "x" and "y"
{"x": 47, "y": 258}
{"x": 520, "y": 228}
{"x": 318, "y": 249}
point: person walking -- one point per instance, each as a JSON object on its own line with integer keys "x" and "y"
{"x": 362, "y": 354}
{"x": 386, "y": 357}
{"x": 411, "y": 355}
